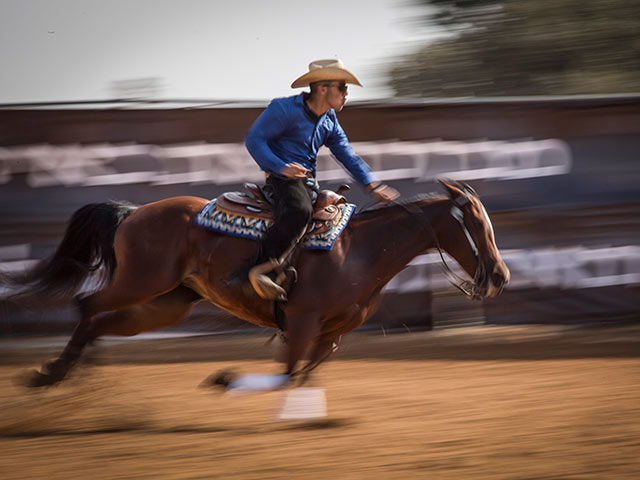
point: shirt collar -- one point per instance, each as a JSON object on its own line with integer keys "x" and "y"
{"x": 304, "y": 96}
{"x": 310, "y": 113}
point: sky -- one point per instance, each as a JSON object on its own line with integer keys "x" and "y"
{"x": 65, "y": 50}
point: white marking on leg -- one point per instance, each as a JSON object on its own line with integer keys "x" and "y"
{"x": 257, "y": 382}
{"x": 303, "y": 404}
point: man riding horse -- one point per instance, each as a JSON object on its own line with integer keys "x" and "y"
{"x": 284, "y": 141}
{"x": 152, "y": 263}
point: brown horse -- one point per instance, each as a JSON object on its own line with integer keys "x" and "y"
{"x": 157, "y": 264}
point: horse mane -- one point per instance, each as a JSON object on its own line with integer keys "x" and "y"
{"x": 420, "y": 198}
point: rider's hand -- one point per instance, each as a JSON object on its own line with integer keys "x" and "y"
{"x": 294, "y": 170}
{"x": 382, "y": 193}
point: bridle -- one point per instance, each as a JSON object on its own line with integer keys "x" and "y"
{"x": 469, "y": 288}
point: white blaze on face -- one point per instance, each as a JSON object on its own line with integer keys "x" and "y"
{"x": 486, "y": 217}
{"x": 459, "y": 216}
{"x": 493, "y": 289}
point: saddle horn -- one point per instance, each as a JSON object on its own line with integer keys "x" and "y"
{"x": 343, "y": 188}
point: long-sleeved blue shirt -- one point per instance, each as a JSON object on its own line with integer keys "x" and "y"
{"x": 285, "y": 132}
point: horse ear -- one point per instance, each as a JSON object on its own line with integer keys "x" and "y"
{"x": 454, "y": 189}
{"x": 468, "y": 189}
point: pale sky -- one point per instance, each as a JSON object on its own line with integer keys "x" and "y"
{"x": 61, "y": 50}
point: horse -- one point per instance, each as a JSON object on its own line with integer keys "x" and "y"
{"x": 157, "y": 264}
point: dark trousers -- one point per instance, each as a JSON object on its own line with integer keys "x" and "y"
{"x": 293, "y": 207}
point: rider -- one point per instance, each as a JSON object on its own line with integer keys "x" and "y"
{"x": 284, "y": 141}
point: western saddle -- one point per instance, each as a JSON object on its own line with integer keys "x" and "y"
{"x": 255, "y": 203}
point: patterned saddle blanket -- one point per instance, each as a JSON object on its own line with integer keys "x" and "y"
{"x": 221, "y": 216}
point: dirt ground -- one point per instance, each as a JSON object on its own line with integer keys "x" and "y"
{"x": 470, "y": 403}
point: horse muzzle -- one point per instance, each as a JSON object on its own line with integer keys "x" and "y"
{"x": 497, "y": 279}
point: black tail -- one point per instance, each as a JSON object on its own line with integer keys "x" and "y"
{"x": 87, "y": 245}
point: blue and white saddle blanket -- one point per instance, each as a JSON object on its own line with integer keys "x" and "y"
{"x": 214, "y": 218}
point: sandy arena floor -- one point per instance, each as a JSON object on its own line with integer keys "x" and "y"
{"x": 472, "y": 403}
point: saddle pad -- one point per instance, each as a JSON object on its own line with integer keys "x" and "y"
{"x": 238, "y": 225}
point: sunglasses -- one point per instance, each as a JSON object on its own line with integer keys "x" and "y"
{"x": 343, "y": 87}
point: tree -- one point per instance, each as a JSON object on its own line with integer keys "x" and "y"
{"x": 526, "y": 47}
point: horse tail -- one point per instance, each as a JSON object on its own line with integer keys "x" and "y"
{"x": 87, "y": 246}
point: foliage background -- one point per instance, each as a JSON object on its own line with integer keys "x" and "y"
{"x": 524, "y": 47}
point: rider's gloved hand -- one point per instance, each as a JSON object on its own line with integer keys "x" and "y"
{"x": 294, "y": 170}
{"x": 382, "y": 193}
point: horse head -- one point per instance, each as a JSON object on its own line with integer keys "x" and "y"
{"x": 471, "y": 241}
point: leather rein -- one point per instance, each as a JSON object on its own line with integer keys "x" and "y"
{"x": 469, "y": 288}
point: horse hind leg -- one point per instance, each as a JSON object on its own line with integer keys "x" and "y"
{"x": 54, "y": 371}
{"x": 145, "y": 269}
{"x": 164, "y": 310}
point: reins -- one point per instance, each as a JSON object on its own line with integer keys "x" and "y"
{"x": 465, "y": 286}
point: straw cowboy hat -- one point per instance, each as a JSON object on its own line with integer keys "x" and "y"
{"x": 326, "y": 70}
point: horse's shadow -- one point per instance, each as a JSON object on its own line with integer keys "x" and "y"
{"x": 51, "y": 432}
{"x": 323, "y": 424}
{"x": 88, "y": 405}
{"x": 27, "y": 433}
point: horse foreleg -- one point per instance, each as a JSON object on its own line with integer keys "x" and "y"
{"x": 322, "y": 350}
{"x": 302, "y": 333}
{"x": 305, "y": 403}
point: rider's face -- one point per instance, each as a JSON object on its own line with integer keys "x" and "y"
{"x": 336, "y": 95}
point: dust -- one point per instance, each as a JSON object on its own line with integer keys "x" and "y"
{"x": 86, "y": 402}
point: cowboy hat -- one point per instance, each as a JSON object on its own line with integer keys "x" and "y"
{"x": 326, "y": 70}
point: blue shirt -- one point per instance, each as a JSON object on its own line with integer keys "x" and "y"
{"x": 286, "y": 132}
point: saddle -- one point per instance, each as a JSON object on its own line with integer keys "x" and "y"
{"x": 255, "y": 203}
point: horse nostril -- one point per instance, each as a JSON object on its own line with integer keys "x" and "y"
{"x": 498, "y": 279}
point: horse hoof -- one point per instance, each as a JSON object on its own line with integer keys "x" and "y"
{"x": 36, "y": 379}
{"x": 56, "y": 368}
{"x": 221, "y": 379}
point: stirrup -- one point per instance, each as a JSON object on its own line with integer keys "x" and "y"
{"x": 263, "y": 285}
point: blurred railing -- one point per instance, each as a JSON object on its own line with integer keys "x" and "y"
{"x": 230, "y": 163}
{"x": 559, "y": 178}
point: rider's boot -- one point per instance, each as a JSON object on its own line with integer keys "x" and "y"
{"x": 263, "y": 285}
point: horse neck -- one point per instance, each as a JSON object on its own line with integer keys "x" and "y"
{"x": 391, "y": 237}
